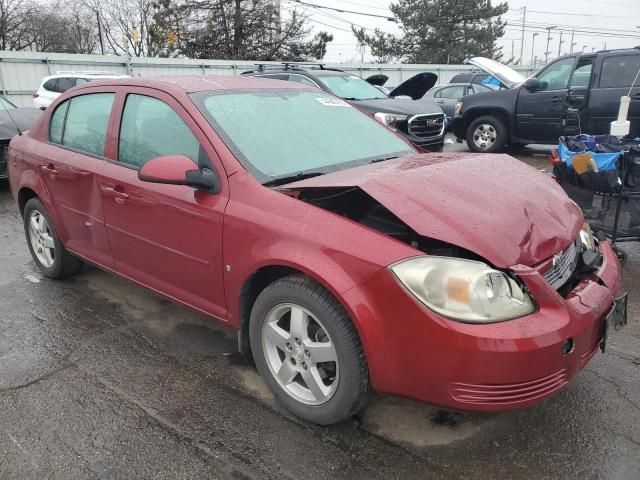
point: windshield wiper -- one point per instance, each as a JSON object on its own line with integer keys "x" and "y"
{"x": 291, "y": 178}
{"x": 382, "y": 159}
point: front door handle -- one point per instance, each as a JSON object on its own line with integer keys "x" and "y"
{"x": 556, "y": 99}
{"x": 49, "y": 170}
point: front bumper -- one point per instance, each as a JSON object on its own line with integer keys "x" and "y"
{"x": 414, "y": 353}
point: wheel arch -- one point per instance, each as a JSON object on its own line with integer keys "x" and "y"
{"x": 262, "y": 277}
{"x": 501, "y": 113}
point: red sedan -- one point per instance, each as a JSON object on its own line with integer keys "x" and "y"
{"x": 346, "y": 260}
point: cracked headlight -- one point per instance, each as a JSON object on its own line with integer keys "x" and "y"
{"x": 463, "y": 290}
{"x": 586, "y": 237}
{"x": 392, "y": 120}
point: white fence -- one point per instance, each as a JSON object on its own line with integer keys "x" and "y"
{"x": 22, "y": 72}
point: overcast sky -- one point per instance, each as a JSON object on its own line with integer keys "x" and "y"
{"x": 617, "y": 17}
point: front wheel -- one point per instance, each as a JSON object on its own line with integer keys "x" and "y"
{"x": 487, "y": 134}
{"x": 308, "y": 352}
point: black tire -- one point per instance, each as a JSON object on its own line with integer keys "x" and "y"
{"x": 353, "y": 388}
{"x": 491, "y": 122}
{"x": 64, "y": 263}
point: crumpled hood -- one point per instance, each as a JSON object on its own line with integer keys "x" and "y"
{"x": 491, "y": 204}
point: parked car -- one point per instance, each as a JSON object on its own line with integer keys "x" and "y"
{"x": 13, "y": 121}
{"x": 53, "y": 86}
{"x": 446, "y": 96}
{"x": 346, "y": 260}
{"x": 573, "y": 94}
{"x": 423, "y": 123}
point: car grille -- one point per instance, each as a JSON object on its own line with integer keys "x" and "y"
{"x": 509, "y": 393}
{"x": 424, "y": 126}
{"x": 564, "y": 264}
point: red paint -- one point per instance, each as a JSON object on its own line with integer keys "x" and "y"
{"x": 178, "y": 241}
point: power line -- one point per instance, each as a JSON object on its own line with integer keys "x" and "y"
{"x": 342, "y": 10}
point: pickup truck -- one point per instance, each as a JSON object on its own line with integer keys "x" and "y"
{"x": 577, "y": 93}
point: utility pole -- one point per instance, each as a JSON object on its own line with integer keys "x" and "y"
{"x": 100, "y": 32}
{"x": 560, "y": 44}
{"x": 278, "y": 28}
{"x": 533, "y": 43}
{"x": 573, "y": 44}
{"x": 524, "y": 18}
{"x": 546, "y": 54}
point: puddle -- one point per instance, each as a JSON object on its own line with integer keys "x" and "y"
{"x": 412, "y": 423}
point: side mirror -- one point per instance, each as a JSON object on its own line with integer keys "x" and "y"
{"x": 178, "y": 170}
{"x": 532, "y": 84}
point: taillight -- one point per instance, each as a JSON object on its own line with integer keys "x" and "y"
{"x": 35, "y": 95}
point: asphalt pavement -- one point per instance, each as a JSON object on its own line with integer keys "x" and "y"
{"x": 100, "y": 378}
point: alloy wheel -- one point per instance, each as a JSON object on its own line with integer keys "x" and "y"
{"x": 300, "y": 354}
{"x": 41, "y": 239}
{"x": 484, "y": 136}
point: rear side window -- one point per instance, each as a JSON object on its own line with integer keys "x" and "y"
{"x": 150, "y": 128}
{"x": 51, "y": 85}
{"x": 619, "y": 71}
{"x": 451, "y": 92}
{"x": 65, "y": 84}
{"x": 57, "y": 123}
{"x": 85, "y": 126}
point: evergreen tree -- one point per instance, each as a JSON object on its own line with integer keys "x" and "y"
{"x": 439, "y": 31}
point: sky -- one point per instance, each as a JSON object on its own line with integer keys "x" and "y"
{"x": 600, "y": 24}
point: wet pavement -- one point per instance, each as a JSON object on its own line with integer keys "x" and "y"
{"x": 100, "y": 378}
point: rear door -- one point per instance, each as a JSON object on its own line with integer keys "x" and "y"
{"x": 70, "y": 164}
{"x": 447, "y": 97}
{"x": 168, "y": 237}
{"x": 540, "y": 114}
{"x": 616, "y": 73}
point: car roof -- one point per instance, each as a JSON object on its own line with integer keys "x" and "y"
{"x": 82, "y": 75}
{"x": 199, "y": 83}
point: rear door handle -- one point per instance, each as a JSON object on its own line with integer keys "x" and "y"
{"x": 49, "y": 170}
{"x": 116, "y": 192}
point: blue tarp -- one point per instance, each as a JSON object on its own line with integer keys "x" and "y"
{"x": 604, "y": 161}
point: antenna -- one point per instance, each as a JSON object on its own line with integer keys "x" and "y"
{"x": 4, "y": 106}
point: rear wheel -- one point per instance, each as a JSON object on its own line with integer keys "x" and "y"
{"x": 308, "y": 352}
{"x": 45, "y": 245}
{"x": 487, "y": 134}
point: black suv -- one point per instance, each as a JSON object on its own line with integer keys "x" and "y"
{"x": 423, "y": 123}
{"x": 575, "y": 93}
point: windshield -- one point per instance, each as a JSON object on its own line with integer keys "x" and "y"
{"x": 352, "y": 87}
{"x": 281, "y": 133}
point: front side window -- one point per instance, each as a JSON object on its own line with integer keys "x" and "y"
{"x": 620, "y": 71}
{"x": 279, "y": 133}
{"x": 85, "y": 127}
{"x": 352, "y": 87}
{"x": 556, "y": 76}
{"x": 581, "y": 76}
{"x": 150, "y": 128}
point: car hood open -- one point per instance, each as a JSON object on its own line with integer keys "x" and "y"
{"x": 507, "y": 75}
{"x": 490, "y": 204}
{"x": 416, "y": 86}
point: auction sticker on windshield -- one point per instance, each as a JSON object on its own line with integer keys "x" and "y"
{"x": 333, "y": 102}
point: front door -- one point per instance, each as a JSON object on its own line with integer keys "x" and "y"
{"x": 540, "y": 114}
{"x": 69, "y": 167}
{"x": 167, "y": 237}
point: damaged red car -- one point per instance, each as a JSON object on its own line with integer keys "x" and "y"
{"x": 346, "y": 260}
